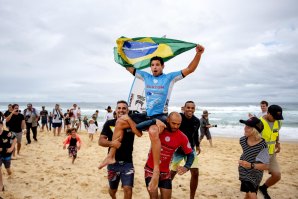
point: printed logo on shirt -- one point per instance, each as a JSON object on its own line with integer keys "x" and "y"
{"x": 155, "y": 81}
{"x": 188, "y": 145}
{"x": 167, "y": 138}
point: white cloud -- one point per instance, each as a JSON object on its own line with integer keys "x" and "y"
{"x": 63, "y": 50}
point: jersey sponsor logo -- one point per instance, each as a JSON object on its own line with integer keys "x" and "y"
{"x": 188, "y": 145}
{"x": 155, "y": 87}
{"x": 155, "y": 81}
{"x": 167, "y": 139}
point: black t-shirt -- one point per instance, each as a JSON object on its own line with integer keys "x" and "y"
{"x": 190, "y": 127}
{"x": 124, "y": 153}
{"x": 44, "y": 114}
{"x": 6, "y": 114}
{"x": 15, "y": 123}
{"x": 6, "y": 140}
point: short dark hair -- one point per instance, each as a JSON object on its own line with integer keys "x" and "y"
{"x": 264, "y": 102}
{"x": 160, "y": 59}
{"x": 14, "y": 105}
{"x": 122, "y": 101}
{"x": 191, "y": 102}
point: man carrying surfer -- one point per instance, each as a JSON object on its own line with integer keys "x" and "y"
{"x": 158, "y": 87}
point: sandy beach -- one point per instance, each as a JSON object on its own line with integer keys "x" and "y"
{"x": 44, "y": 171}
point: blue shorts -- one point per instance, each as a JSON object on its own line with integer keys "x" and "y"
{"x": 121, "y": 171}
{"x": 55, "y": 125}
{"x": 44, "y": 121}
{"x": 6, "y": 161}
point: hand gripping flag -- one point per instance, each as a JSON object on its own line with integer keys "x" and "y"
{"x": 137, "y": 52}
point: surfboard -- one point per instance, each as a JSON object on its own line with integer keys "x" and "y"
{"x": 136, "y": 98}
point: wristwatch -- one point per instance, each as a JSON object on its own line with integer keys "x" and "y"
{"x": 252, "y": 166}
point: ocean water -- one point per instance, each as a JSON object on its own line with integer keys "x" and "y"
{"x": 225, "y": 115}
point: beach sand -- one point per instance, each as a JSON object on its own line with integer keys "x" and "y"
{"x": 45, "y": 171}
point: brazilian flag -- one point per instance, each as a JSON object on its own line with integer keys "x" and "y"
{"x": 137, "y": 52}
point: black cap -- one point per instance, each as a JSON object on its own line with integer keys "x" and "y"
{"x": 276, "y": 112}
{"x": 254, "y": 122}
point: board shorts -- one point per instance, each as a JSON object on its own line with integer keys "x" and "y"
{"x": 247, "y": 186}
{"x": 72, "y": 151}
{"x": 205, "y": 133}
{"x": 177, "y": 159}
{"x": 6, "y": 161}
{"x": 123, "y": 171}
{"x": 164, "y": 182}
{"x": 44, "y": 121}
{"x": 55, "y": 125}
{"x": 19, "y": 136}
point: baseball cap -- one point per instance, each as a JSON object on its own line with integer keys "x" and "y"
{"x": 254, "y": 122}
{"x": 276, "y": 112}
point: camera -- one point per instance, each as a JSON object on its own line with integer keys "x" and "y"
{"x": 214, "y": 125}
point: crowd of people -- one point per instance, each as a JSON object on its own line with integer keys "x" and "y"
{"x": 174, "y": 137}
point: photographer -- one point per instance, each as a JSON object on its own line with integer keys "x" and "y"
{"x": 204, "y": 127}
{"x": 57, "y": 119}
{"x": 31, "y": 117}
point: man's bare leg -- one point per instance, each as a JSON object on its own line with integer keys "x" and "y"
{"x": 118, "y": 134}
{"x": 154, "y": 132}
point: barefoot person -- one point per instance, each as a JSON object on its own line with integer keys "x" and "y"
{"x": 189, "y": 126}
{"x": 171, "y": 139}
{"x": 123, "y": 169}
{"x": 158, "y": 87}
{"x": 74, "y": 143}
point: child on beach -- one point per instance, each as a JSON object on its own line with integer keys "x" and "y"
{"x": 85, "y": 121}
{"x": 91, "y": 129}
{"x": 74, "y": 143}
{"x": 254, "y": 159}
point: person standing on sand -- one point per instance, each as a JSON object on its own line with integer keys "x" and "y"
{"x": 171, "y": 139}
{"x": 17, "y": 125}
{"x": 123, "y": 169}
{"x": 158, "y": 87}
{"x": 254, "y": 159}
{"x": 205, "y": 126}
{"x": 272, "y": 125}
{"x": 74, "y": 143}
{"x": 7, "y": 144}
{"x": 190, "y": 127}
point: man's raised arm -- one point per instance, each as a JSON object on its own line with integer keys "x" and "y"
{"x": 195, "y": 62}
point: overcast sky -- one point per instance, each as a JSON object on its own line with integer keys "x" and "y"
{"x": 62, "y": 51}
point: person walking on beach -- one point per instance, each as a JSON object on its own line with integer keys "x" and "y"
{"x": 158, "y": 88}
{"x": 91, "y": 129}
{"x": 205, "y": 126}
{"x": 31, "y": 117}
{"x": 66, "y": 121}
{"x": 44, "y": 118}
{"x": 74, "y": 143}
{"x": 109, "y": 114}
{"x": 171, "y": 139}
{"x": 57, "y": 119}
{"x": 7, "y": 144}
{"x": 190, "y": 127}
{"x": 50, "y": 121}
{"x": 272, "y": 125}
{"x": 254, "y": 159}
{"x": 123, "y": 169}
{"x": 17, "y": 126}
{"x": 7, "y": 113}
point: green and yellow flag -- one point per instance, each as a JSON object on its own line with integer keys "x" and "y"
{"x": 137, "y": 52}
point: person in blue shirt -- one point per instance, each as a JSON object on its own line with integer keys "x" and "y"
{"x": 158, "y": 87}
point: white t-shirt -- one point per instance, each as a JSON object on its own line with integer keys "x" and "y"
{"x": 57, "y": 118}
{"x": 92, "y": 128}
{"x": 109, "y": 116}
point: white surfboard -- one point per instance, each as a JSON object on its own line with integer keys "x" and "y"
{"x": 136, "y": 97}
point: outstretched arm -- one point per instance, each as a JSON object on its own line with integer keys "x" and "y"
{"x": 195, "y": 62}
{"x": 130, "y": 69}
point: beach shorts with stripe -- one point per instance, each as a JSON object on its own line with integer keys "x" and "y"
{"x": 165, "y": 180}
{"x": 123, "y": 171}
{"x": 178, "y": 157}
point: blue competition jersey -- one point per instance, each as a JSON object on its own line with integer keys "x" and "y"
{"x": 158, "y": 90}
